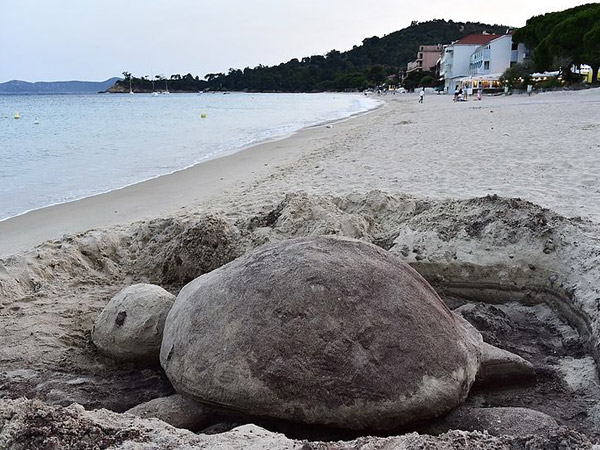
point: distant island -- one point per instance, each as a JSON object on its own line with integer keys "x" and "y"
{"x": 56, "y": 87}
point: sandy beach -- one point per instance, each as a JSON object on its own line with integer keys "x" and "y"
{"x": 495, "y": 203}
{"x": 542, "y": 148}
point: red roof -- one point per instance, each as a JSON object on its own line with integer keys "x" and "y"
{"x": 477, "y": 39}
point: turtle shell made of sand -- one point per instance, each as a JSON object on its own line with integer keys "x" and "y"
{"x": 322, "y": 330}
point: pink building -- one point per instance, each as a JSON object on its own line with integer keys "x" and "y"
{"x": 427, "y": 58}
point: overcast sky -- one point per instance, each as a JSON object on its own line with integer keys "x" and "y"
{"x": 96, "y": 40}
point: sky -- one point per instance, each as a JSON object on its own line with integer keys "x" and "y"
{"x": 51, "y": 40}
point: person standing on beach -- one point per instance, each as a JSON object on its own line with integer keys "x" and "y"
{"x": 421, "y": 95}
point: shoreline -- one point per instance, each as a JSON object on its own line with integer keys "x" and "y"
{"x": 510, "y": 146}
{"x": 209, "y": 157}
{"x": 188, "y": 186}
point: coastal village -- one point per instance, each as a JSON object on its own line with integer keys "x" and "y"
{"x": 475, "y": 62}
{"x": 478, "y": 62}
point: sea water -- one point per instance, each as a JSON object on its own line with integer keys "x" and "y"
{"x": 66, "y": 147}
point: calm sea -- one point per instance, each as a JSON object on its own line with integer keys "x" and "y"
{"x": 66, "y": 147}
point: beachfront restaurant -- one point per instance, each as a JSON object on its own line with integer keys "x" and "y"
{"x": 487, "y": 83}
{"x": 488, "y": 62}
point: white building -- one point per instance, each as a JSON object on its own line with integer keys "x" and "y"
{"x": 489, "y": 61}
{"x": 478, "y": 60}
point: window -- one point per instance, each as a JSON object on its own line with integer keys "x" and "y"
{"x": 486, "y": 65}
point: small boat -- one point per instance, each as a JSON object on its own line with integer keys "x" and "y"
{"x": 154, "y": 93}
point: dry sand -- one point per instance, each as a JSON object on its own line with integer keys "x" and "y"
{"x": 542, "y": 148}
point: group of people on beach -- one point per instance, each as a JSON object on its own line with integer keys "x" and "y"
{"x": 461, "y": 94}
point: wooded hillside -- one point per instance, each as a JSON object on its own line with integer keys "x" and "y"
{"x": 365, "y": 65}
{"x": 565, "y": 38}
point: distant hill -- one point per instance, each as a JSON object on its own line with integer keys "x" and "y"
{"x": 366, "y": 65}
{"x": 56, "y": 87}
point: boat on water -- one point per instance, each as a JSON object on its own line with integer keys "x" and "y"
{"x": 154, "y": 93}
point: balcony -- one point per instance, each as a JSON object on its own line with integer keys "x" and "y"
{"x": 413, "y": 66}
{"x": 480, "y": 55}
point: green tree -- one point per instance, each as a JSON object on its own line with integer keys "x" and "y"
{"x": 427, "y": 81}
{"x": 517, "y": 76}
{"x": 415, "y": 79}
{"x": 354, "y": 80}
{"x": 376, "y": 74}
{"x": 591, "y": 47}
{"x": 558, "y": 39}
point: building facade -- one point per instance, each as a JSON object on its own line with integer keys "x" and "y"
{"x": 427, "y": 58}
{"x": 496, "y": 56}
{"x": 478, "y": 61}
{"x": 456, "y": 59}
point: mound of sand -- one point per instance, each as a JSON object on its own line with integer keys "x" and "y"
{"x": 27, "y": 424}
{"x": 486, "y": 248}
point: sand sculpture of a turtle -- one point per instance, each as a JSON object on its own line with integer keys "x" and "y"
{"x": 326, "y": 331}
